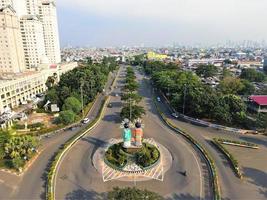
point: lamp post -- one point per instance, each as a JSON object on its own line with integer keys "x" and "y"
{"x": 81, "y": 87}
{"x": 184, "y": 98}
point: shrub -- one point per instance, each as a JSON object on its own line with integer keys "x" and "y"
{"x": 66, "y": 117}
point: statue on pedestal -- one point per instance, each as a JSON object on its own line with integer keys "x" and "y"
{"x": 138, "y": 134}
{"x": 126, "y": 136}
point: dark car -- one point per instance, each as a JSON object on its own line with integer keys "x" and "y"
{"x": 110, "y": 105}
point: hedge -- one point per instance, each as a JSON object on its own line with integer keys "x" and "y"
{"x": 210, "y": 161}
{"x": 230, "y": 157}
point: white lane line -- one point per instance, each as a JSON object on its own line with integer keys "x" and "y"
{"x": 155, "y": 119}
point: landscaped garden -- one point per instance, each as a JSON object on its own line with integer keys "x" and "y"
{"x": 117, "y": 156}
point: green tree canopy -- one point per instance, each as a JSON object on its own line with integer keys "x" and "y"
{"x": 207, "y": 70}
{"x": 66, "y": 117}
{"x": 252, "y": 75}
{"x": 73, "y": 104}
{"x": 132, "y": 194}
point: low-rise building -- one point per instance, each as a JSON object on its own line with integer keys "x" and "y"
{"x": 20, "y": 88}
{"x": 258, "y": 103}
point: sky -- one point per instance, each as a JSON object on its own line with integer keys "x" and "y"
{"x": 104, "y": 23}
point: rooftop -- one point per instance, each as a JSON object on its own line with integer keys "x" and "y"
{"x": 259, "y": 99}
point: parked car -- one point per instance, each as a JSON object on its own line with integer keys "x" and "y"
{"x": 116, "y": 95}
{"x": 110, "y": 105}
{"x": 158, "y": 99}
{"x": 85, "y": 120}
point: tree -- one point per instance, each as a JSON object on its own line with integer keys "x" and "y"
{"x": 207, "y": 70}
{"x": 52, "y": 96}
{"x": 134, "y": 111}
{"x": 20, "y": 147}
{"x": 252, "y": 75}
{"x": 230, "y": 85}
{"x": 51, "y": 81}
{"x": 248, "y": 88}
{"x": 261, "y": 122}
{"x": 132, "y": 194}
{"x": 226, "y": 72}
{"x": 66, "y": 117}
{"x": 73, "y": 104}
{"x": 131, "y": 97}
{"x": 18, "y": 163}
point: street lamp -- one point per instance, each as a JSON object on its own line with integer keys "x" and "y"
{"x": 185, "y": 88}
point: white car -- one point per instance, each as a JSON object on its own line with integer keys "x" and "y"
{"x": 175, "y": 115}
{"x": 85, "y": 120}
{"x": 158, "y": 99}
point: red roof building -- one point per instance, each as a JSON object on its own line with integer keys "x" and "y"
{"x": 258, "y": 103}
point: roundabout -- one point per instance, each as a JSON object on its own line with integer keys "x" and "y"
{"x": 84, "y": 174}
{"x": 132, "y": 170}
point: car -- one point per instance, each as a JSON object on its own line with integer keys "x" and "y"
{"x": 175, "y": 115}
{"x": 158, "y": 99}
{"x": 116, "y": 95}
{"x": 86, "y": 120}
{"x": 110, "y": 105}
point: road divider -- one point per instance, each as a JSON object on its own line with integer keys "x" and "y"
{"x": 233, "y": 162}
{"x": 50, "y": 182}
{"x": 204, "y": 153}
{"x": 238, "y": 143}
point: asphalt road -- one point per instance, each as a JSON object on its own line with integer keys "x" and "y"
{"x": 31, "y": 185}
{"x": 253, "y": 162}
{"x": 78, "y": 179}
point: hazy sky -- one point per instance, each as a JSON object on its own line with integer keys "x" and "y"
{"x": 160, "y": 22}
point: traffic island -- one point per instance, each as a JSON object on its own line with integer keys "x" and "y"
{"x": 114, "y": 162}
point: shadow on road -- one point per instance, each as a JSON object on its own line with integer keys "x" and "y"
{"x": 96, "y": 142}
{"x": 84, "y": 194}
{"x": 256, "y": 176}
{"x": 183, "y": 197}
{"x": 114, "y": 118}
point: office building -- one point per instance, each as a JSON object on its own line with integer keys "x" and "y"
{"x": 12, "y": 58}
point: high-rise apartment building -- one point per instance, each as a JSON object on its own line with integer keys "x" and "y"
{"x": 5, "y": 3}
{"x": 11, "y": 50}
{"x": 20, "y": 7}
{"x": 48, "y": 17}
{"x": 32, "y": 7}
{"x": 33, "y": 40}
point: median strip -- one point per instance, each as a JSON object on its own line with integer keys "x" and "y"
{"x": 233, "y": 162}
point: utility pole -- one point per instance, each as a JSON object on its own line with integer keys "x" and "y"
{"x": 81, "y": 87}
{"x": 130, "y": 109}
{"x": 184, "y": 98}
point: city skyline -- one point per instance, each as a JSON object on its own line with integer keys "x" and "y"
{"x": 117, "y": 23}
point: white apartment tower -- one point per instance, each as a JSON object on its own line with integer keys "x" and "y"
{"x": 33, "y": 40}
{"x": 5, "y": 3}
{"x": 11, "y": 50}
{"x": 32, "y": 7}
{"x": 48, "y": 17}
